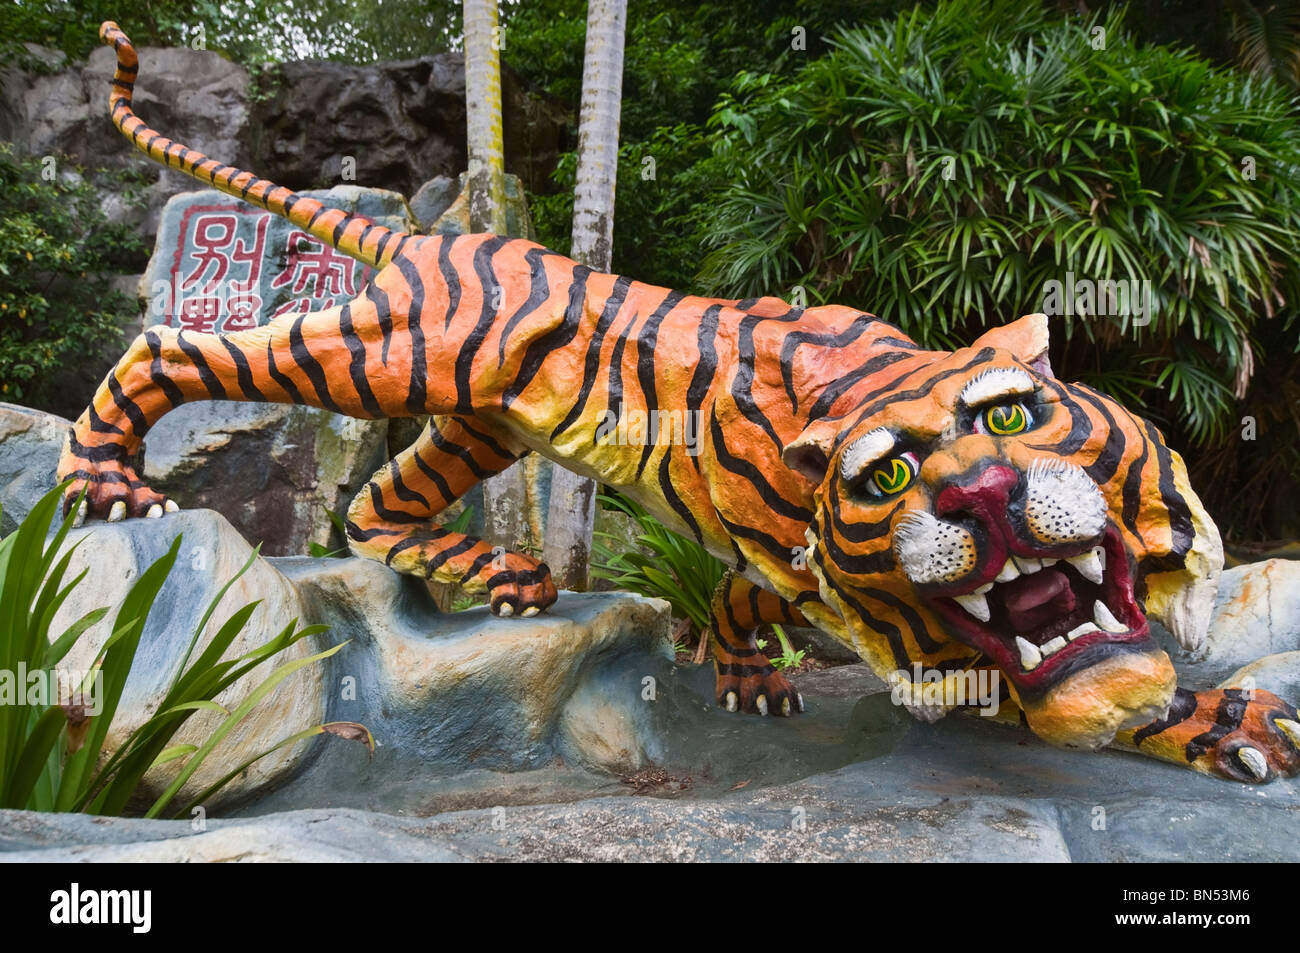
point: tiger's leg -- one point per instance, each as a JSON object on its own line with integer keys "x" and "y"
{"x": 328, "y": 359}
{"x": 1224, "y": 732}
{"x": 389, "y": 519}
{"x": 746, "y": 679}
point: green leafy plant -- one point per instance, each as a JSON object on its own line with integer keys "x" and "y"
{"x": 60, "y": 315}
{"x": 670, "y": 567}
{"x": 790, "y": 657}
{"x": 53, "y": 753}
{"x": 323, "y": 551}
{"x": 940, "y": 168}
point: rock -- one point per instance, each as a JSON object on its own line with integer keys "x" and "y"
{"x": 470, "y": 688}
{"x": 401, "y": 122}
{"x": 30, "y": 444}
{"x": 194, "y": 95}
{"x": 820, "y": 645}
{"x": 960, "y": 790}
{"x": 211, "y": 554}
{"x": 276, "y": 471}
{"x": 1279, "y": 674}
{"x": 1256, "y": 614}
{"x": 440, "y": 692}
{"x": 224, "y": 265}
{"x": 482, "y": 721}
{"x": 432, "y": 199}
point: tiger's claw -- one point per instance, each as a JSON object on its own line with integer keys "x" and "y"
{"x": 1242, "y": 736}
{"x": 761, "y": 693}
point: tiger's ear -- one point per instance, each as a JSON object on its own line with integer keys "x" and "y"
{"x": 1025, "y": 337}
{"x": 810, "y": 452}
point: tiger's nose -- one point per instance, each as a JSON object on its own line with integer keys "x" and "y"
{"x": 986, "y": 498}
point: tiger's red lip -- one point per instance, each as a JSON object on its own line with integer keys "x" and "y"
{"x": 1043, "y": 615}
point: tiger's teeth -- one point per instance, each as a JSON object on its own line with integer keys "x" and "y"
{"x": 1079, "y": 630}
{"x": 1030, "y": 657}
{"x": 1026, "y": 565}
{"x": 984, "y": 588}
{"x": 1049, "y": 561}
{"x": 976, "y": 604}
{"x": 1054, "y": 646}
{"x": 1105, "y": 619}
{"x": 1090, "y": 564}
{"x": 1009, "y": 571}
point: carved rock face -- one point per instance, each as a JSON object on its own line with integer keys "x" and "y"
{"x": 989, "y": 514}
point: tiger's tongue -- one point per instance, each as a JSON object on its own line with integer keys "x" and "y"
{"x": 1034, "y": 600}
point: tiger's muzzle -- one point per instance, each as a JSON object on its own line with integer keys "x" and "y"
{"x": 1028, "y": 568}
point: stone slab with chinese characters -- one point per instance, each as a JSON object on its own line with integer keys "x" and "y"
{"x": 221, "y": 265}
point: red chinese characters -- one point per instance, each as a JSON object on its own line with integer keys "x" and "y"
{"x": 227, "y": 277}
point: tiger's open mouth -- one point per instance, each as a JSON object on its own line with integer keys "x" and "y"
{"x": 1041, "y": 616}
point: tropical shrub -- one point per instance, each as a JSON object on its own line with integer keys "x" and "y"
{"x": 52, "y": 750}
{"x": 939, "y": 169}
{"x": 669, "y": 566}
{"x": 60, "y": 315}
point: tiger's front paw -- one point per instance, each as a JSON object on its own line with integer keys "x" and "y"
{"x": 757, "y": 689}
{"x": 113, "y": 492}
{"x": 1253, "y": 738}
{"x": 524, "y": 588}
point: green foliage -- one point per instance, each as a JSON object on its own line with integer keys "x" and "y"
{"x": 679, "y": 57}
{"x": 939, "y": 169}
{"x": 789, "y": 657}
{"x": 669, "y": 567}
{"x": 59, "y": 312}
{"x": 337, "y": 529}
{"x": 247, "y": 31}
{"x": 52, "y": 752}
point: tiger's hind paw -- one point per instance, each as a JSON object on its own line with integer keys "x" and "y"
{"x": 763, "y": 691}
{"x": 521, "y": 591}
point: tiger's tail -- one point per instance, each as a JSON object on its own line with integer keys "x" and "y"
{"x": 353, "y": 235}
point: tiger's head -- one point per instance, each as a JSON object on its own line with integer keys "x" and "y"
{"x": 974, "y": 510}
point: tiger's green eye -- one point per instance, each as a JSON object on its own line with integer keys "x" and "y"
{"x": 893, "y": 475}
{"x": 1005, "y": 419}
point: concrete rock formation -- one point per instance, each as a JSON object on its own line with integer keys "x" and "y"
{"x": 402, "y": 122}
{"x": 436, "y": 690}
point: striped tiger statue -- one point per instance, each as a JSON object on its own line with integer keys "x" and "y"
{"x": 945, "y": 512}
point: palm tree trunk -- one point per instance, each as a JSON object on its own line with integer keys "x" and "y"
{"x": 572, "y": 508}
{"x": 505, "y": 496}
{"x": 487, "y": 183}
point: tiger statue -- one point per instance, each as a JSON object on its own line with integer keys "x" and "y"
{"x": 952, "y": 512}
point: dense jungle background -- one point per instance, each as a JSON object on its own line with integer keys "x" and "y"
{"x": 934, "y": 164}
